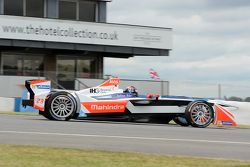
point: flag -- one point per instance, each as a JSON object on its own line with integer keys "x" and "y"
{"x": 153, "y": 74}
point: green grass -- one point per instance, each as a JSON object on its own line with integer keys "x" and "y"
{"x": 34, "y": 156}
{"x": 243, "y": 126}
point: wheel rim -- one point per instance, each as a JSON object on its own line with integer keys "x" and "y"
{"x": 201, "y": 114}
{"x": 62, "y": 106}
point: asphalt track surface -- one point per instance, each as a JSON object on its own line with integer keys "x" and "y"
{"x": 226, "y": 143}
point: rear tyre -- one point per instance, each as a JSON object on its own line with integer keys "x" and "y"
{"x": 60, "y": 106}
{"x": 199, "y": 114}
{"x": 75, "y": 116}
{"x": 181, "y": 120}
{"x": 46, "y": 115}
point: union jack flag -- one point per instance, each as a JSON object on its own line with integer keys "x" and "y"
{"x": 153, "y": 74}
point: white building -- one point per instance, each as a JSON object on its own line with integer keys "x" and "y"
{"x": 66, "y": 39}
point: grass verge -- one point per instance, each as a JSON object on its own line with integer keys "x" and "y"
{"x": 34, "y": 156}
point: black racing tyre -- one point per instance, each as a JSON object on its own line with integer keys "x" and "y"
{"x": 181, "y": 120}
{"x": 46, "y": 115}
{"x": 76, "y": 115}
{"x": 60, "y": 106}
{"x": 199, "y": 114}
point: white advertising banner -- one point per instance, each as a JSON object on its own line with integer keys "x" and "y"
{"x": 54, "y": 30}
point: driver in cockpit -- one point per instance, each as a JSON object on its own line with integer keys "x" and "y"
{"x": 132, "y": 90}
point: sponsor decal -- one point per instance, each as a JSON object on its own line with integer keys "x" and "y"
{"x": 39, "y": 101}
{"x": 43, "y": 86}
{"x": 122, "y": 95}
{"x": 105, "y": 106}
{"x": 226, "y": 123}
{"x": 94, "y": 90}
{"x": 111, "y": 82}
{"x": 104, "y": 97}
{"x": 114, "y": 81}
{"x": 223, "y": 116}
{"x": 101, "y": 90}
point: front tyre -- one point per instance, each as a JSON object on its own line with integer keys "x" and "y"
{"x": 60, "y": 106}
{"x": 199, "y": 114}
{"x": 181, "y": 120}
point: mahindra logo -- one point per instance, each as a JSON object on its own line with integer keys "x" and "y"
{"x": 107, "y": 107}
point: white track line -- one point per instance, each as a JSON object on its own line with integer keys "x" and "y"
{"x": 125, "y": 137}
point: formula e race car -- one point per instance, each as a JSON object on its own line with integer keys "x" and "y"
{"x": 108, "y": 100}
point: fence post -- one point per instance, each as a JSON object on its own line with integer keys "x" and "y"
{"x": 162, "y": 88}
{"x": 39, "y": 75}
{"x": 168, "y": 88}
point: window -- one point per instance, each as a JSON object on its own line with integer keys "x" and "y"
{"x": 83, "y": 68}
{"x": 67, "y": 10}
{"x": 13, "y": 7}
{"x": 77, "y": 10}
{"x": 35, "y": 8}
{"x": 32, "y": 65}
{"x": 87, "y": 11}
{"x": 69, "y": 67}
{"x": 11, "y": 64}
{"x": 32, "y": 8}
{"x": 66, "y": 69}
{"x": 87, "y": 67}
{"x": 22, "y": 65}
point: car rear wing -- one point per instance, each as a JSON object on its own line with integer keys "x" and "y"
{"x": 37, "y": 91}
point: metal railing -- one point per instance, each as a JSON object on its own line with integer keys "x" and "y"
{"x": 14, "y": 78}
{"x": 55, "y": 84}
{"x": 143, "y": 86}
{"x": 14, "y": 72}
{"x": 80, "y": 85}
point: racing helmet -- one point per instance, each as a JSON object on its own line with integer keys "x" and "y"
{"x": 132, "y": 90}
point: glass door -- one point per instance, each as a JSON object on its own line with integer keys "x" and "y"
{"x": 70, "y": 67}
{"x": 33, "y": 65}
{"x": 66, "y": 72}
{"x": 22, "y": 64}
